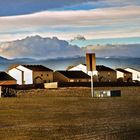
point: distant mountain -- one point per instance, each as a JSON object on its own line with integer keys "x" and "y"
{"x": 2, "y": 59}
{"x": 63, "y": 63}
{"x": 23, "y": 60}
{"x": 39, "y": 48}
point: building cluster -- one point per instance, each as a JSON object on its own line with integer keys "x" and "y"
{"x": 106, "y": 74}
{"x": 37, "y": 74}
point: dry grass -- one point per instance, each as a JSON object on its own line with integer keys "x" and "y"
{"x": 68, "y": 114}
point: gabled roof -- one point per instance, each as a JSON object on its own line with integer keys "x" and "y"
{"x": 122, "y": 70}
{"x": 37, "y": 68}
{"x": 72, "y": 66}
{"x": 5, "y": 77}
{"x": 74, "y": 74}
{"x": 103, "y": 68}
{"x": 98, "y": 67}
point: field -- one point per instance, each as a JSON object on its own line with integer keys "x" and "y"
{"x": 69, "y": 114}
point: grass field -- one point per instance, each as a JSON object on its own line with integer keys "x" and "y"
{"x": 58, "y": 114}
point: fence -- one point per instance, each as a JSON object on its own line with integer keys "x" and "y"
{"x": 97, "y": 84}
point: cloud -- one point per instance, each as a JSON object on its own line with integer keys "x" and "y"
{"x": 38, "y": 47}
{"x": 127, "y": 50}
{"x": 41, "y": 48}
{"x": 97, "y": 23}
{"x": 79, "y": 37}
{"x": 8, "y": 7}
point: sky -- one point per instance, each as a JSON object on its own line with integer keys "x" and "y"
{"x": 66, "y": 19}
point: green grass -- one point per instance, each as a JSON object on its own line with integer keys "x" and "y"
{"x": 43, "y": 115}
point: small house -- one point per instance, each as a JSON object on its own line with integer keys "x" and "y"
{"x": 6, "y": 79}
{"x": 31, "y": 74}
{"x": 71, "y": 76}
{"x": 102, "y": 73}
{"x": 123, "y": 75}
{"x": 106, "y": 74}
{"x": 135, "y": 74}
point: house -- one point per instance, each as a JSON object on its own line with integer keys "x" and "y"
{"x": 135, "y": 74}
{"x": 124, "y": 75}
{"x": 81, "y": 67}
{"x": 31, "y": 74}
{"x": 6, "y": 79}
{"x": 71, "y": 76}
{"x": 106, "y": 74}
{"x": 102, "y": 73}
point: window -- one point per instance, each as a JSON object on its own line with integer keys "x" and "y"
{"x": 41, "y": 74}
{"x": 47, "y": 74}
{"x": 108, "y": 73}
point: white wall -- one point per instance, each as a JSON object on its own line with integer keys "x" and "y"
{"x": 135, "y": 74}
{"x": 79, "y": 67}
{"x": 83, "y": 68}
{"x": 28, "y": 74}
{"x": 120, "y": 74}
{"x": 51, "y": 85}
{"x": 17, "y": 74}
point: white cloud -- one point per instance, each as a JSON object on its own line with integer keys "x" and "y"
{"x": 127, "y": 50}
{"x": 107, "y": 17}
{"x": 38, "y": 47}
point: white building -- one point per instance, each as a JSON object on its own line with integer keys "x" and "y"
{"x": 135, "y": 73}
{"x": 126, "y": 76}
{"x": 31, "y": 74}
{"x": 81, "y": 67}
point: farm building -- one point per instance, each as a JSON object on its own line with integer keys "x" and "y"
{"x": 71, "y": 76}
{"x": 135, "y": 74}
{"x": 31, "y": 74}
{"x": 106, "y": 74}
{"x": 124, "y": 75}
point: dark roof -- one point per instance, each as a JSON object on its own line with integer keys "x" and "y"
{"x": 74, "y": 74}
{"x": 98, "y": 68}
{"x": 5, "y": 77}
{"x": 122, "y": 70}
{"x": 103, "y": 68}
{"x": 37, "y": 67}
